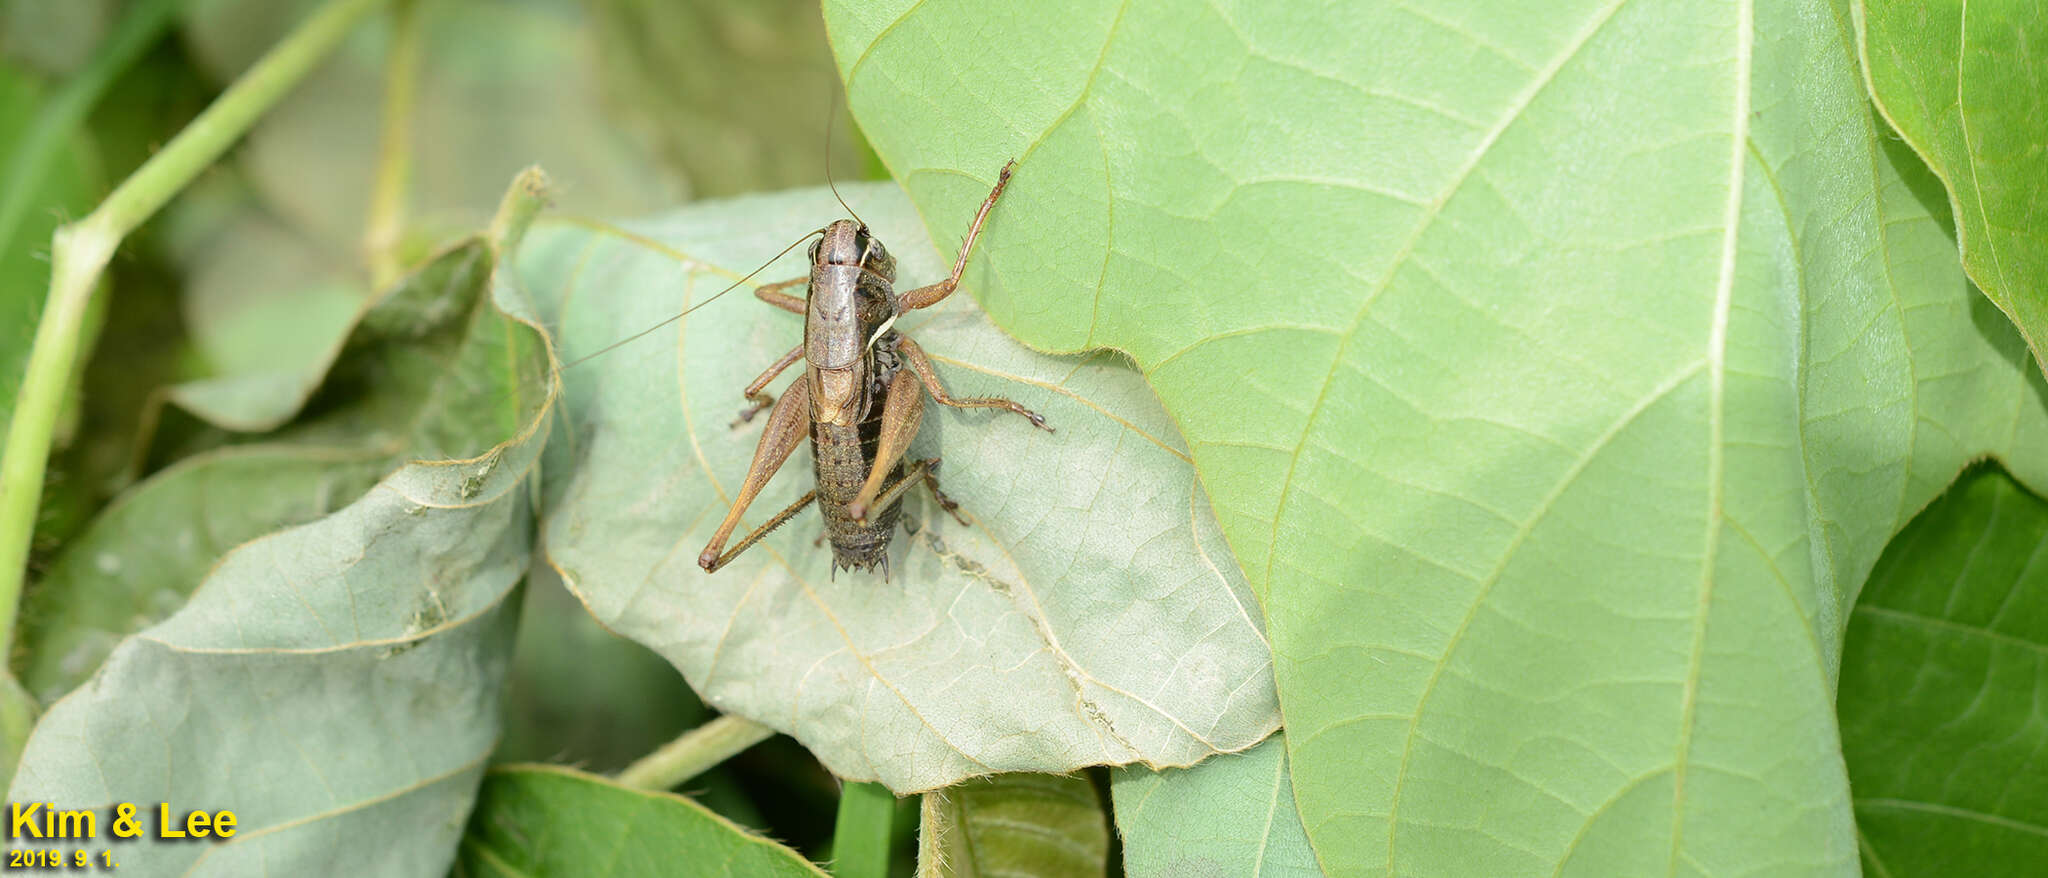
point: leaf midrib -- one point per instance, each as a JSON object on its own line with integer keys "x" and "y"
{"x": 1717, "y": 350}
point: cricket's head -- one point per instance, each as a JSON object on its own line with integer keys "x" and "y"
{"x": 847, "y": 242}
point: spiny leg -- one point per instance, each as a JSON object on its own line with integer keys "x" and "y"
{"x": 756, "y": 400}
{"x": 931, "y": 480}
{"x": 927, "y": 296}
{"x": 914, "y": 355}
{"x": 902, "y": 409}
{"x": 773, "y": 294}
{"x": 920, "y": 471}
{"x": 926, "y": 471}
{"x": 780, "y": 518}
{"x": 787, "y": 425}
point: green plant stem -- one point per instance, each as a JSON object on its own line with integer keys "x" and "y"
{"x": 386, "y": 227}
{"x": 523, "y": 201}
{"x": 694, "y": 753}
{"x": 938, "y": 819}
{"x": 137, "y": 30}
{"x": 79, "y": 252}
{"x": 860, "y": 838}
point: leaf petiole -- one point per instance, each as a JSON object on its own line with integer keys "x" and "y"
{"x": 694, "y": 753}
{"x": 386, "y": 227}
{"x": 860, "y": 838}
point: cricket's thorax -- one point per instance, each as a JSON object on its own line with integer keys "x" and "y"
{"x": 851, "y": 302}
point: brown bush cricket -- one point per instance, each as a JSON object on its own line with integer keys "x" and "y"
{"x": 860, "y": 397}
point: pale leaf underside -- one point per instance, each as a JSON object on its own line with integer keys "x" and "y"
{"x": 1557, "y": 373}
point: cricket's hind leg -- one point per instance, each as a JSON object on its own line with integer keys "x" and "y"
{"x": 931, "y": 480}
{"x": 872, "y": 554}
{"x": 784, "y": 431}
{"x": 780, "y": 518}
{"x": 926, "y": 471}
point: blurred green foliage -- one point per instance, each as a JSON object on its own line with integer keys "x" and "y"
{"x": 631, "y": 105}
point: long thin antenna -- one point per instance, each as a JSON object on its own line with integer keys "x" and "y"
{"x": 831, "y": 122}
{"x": 686, "y": 311}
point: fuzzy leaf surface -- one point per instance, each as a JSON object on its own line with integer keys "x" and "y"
{"x": 1558, "y": 373}
{"x": 1091, "y": 614}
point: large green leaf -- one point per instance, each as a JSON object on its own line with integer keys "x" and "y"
{"x": 1969, "y": 92}
{"x": 1557, "y": 372}
{"x": 1232, "y": 815}
{"x": 546, "y": 820}
{"x": 1943, "y": 678}
{"x": 1090, "y": 615}
{"x": 335, "y": 681}
{"x": 1015, "y": 826}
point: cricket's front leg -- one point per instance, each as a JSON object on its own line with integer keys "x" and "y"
{"x": 787, "y": 426}
{"x": 773, "y": 294}
{"x": 756, "y": 399}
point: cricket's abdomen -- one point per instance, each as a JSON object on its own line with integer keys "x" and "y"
{"x": 842, "y": 454}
